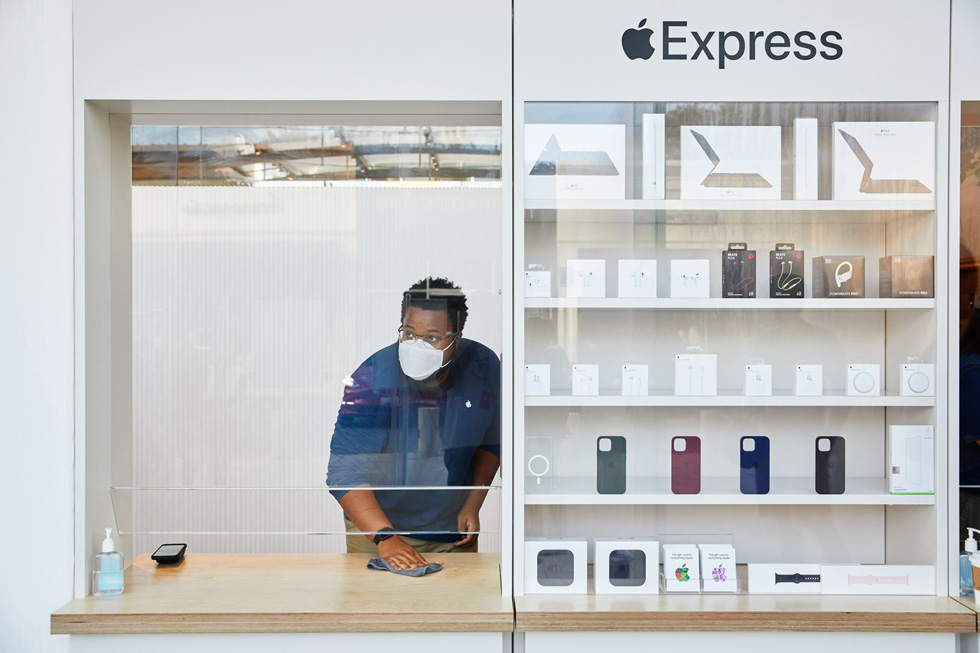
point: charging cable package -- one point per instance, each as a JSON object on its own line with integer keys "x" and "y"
{"x": 786, "y": 271}
{"x": 738, "y": 271}
{"x": 838, "y": 276}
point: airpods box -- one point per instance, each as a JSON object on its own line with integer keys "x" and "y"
{"x": 556, "y": 566}
{"x": 809, "y": 381}
{"x": 585, "y": 380}
{"x": 537, "y": 380}
{"x": 878, "y": 579}
{"x": 537, "y": 283}
{"x": 805, "y": 159}
{"x": 627, "y": 566}
{"x": 682, "y": 572}
{"x": 690, "y": 278}
{"x": 586, "y": 277}
{"x": 636, "y": 380}
{"x": 906, "y": 276}
{"x": 696, "y": 375}
{"x": 788, "y": 578}
{"x": 911, "y": 460}
{"x": 918, "y": 380}
{"x": 786, "y": 271}
{"x": 758, "y": 380}
{"x": 838, "y": 276}
{"x": 637, "y": 278}
{"x": 718, "y": 568}
{"x": 863, "y": 380}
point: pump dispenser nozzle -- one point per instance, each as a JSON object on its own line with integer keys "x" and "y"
{"x": 970, "y": 544}
{"x": 109, "y": 546}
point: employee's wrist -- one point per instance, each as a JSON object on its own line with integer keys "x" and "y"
{"x": 383, "y": 534}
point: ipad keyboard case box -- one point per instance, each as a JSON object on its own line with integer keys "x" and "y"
{"x": 685, "y": 465}
{"x": 829, "y": 468}
{"x": 838, "y": 276}
{"x": 884, "y": 161}
{"x": 786, "y": 271}
{"x": 754, "y": 465}
{"x": 611, "y": 464}
{"x": 738, "y": 271}
{"x": 731, "y": 162}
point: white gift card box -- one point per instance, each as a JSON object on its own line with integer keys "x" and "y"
{"x": 654, "y": 156}
{"x": 636, "y": 380}
{"x": 878, "y": 579}
{"x": 585, "y": 380}
{"x": 731, "y": 162}
{"x": 918, "y": 380}
{"x": 758, "y": 380}
{"x": 537, "y": 283}
{"x": 809, "y": 381}
{"x": 696, "y": 375}
{"x": 805, "y": 159}
{"x": 556, "y": 566}
{"x": 586, "y": 277}
{"x": 627, "y": 566}
{"x": 537, "y": 380}
{"x": 884, "y": 160}
{"x": 682, "y": 571}
{"x": 863, "y": 380}
{"x": 690, "y": 278}
{"x": 788, "y": 578}
{"x": 567, "y": 161}
{"x": 637, "y": 278}
{"x": 718, "y": 568}
{"x": 911, "y": 459}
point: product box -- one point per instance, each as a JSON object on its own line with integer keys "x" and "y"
{"x": 911, "y": 459}
{"x": 567, "y": 161}
{"x": 585, "y": 380}
{"x": 906, "y": 276}
{"x": 718, "y": 568}
{"x": 537, "y": 380}
{"x": 863, "y": 380}
{"x": 809, "y": 381}
{"x": 654, "y": 163}
{"x": 786, "y": 270}
{"x": 731, "y": 162}
{"x": 758, "y": 380}
{"x": 918, "y": 380}
{"x": 627, "y": 566}
{"x": 690, "y": 278}
{"x": 586, "y": 277}
{"x": 539, "y": 468}
{"x": 838, "y": 276}
{"x": 557, "y": 566}
{"x": 696, "y": 375}
{"x": 878, "y": 579}
{"x": 805, "y": 159}
{"x": 537, "y": 283}
{"x": 682, "y": 572}
{"x": 738, "y": 271}
{"x": 636, "y": 379}
{"x": 637, "y": 278}
{"x": 884, "y": 160}
{"x": 784, "y": 578}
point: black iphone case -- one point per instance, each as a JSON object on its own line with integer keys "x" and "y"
{"x": 611, "y": 465}
{"x": 829, "y": 472}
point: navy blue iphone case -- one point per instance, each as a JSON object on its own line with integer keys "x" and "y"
{"x": 754, "y": 464}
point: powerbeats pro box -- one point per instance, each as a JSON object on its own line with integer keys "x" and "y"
{"x": 738, "y": 271}
{"x": 838, "y": 276}
{"x": 906, "y": 276}
{"x": 786, "y": 271}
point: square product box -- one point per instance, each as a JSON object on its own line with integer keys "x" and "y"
{"x": 878, "y": 579}
{"x": 682, "y": 572}
{"x": 784, "y": 578}
{"x": 695, "y": 375}
{"x": 805, "y": 159}
{"x": 738, "y": 271}
{"x": 637, "y": 278}
{"x": 731, "y": 162}
{"x": 906, "y": 276}
{"x": 654, "y": 155}
{"x": 786, "y": 271}
{"x": 838, "y": 276}
{"x": 918, "y": 380}
{"x": 863, "y": 380}
{"x": 809, "y": 381}
{"x": 586, "y": 277}
{"x": 537, "y": 283}
{"x": 627, "y": 566}
{"x": 585, "y": 380}
{"x": 690, "y": 278}
{"x": 884, "y": 160}
{"x": 718, "y": 568}
{"x": 911, "y": 459}
{"x": 537, "y": 380}
{"x": 556, "y": 566}
{"x": 575, "y": 161}
{"x": 636, "y": 379}
{"x": 758, "y": 380}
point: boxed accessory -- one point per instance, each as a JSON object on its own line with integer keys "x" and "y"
{"x": 585, "y": 380}
{"x": 586, "y": 277}
{"x": 695, "y": 375}
{"x": 863, "y": 380}
{"x": 637, "y": 278}
{"x": 565, "y": 161}
{"x": 758, "y": 380}
{"x": 918, "y": 380}
{"x": 911, "y": 460}
{"x": 690, "y": 278}
{"x": 829, "y": 474}
{"x": 753, "y": 464}
{"x": 538, "y": 450}
{"x": 537, "y": 380}
{"x": 809, "y": 381}
{"x": 636, "y": 380}
{"x": 786, "y": 271}
{"x": 627, "y": 566}
{"x": 738, "y": 271}
{"x": 878, "y": 579}
{"x": 731, "y": 162}
{"x": 537, "y": 283}
{"x": 653, "y": 156}
{"x": 884, "y": 160}
{"x": 784, "y": 578}
{"x": 805, "y": 168}
{"x": 906, "y": 276}
{"x": 610, "y": 464}
{"x": 718, "y": 568}
{"x": 838, "y": 276}
{"x": 556, "y": 566}
{"x": 682, "y": 572}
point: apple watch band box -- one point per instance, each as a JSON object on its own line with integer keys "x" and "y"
{"x": 557, "y": 566}
{"x": 878, "y": 579}
{"x": 784, "y": 578}
{"x": 786, "y": 271}
{"x": 838, "y": 276}
{"x": 627, "y": 565}
{"x": 906, "y": 276}
{"x": 738, "y": 271}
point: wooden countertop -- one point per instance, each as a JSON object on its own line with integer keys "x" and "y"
{"x": 287, "y": 593}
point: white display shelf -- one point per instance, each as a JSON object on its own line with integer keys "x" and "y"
{"x": 731, "y": 398}
{"x": 717, "y": 491}
{"x": 718, "y": 303}
{"x": 756, "y": 206}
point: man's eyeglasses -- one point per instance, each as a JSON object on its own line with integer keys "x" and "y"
{"x": 408, "y": 336}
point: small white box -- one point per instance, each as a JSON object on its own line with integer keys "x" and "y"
{"x": 537, "y": 283}
{"x": 537, "y": 380}
{"x": 805, "y": 164}
{"x": 636, "y": 380}
{"x": 911, "y": 459}
{"x": 884, "y": 160}
{"x": 809, "y": 381}
{"x": 695, "y": 375}
{"x": 586, "y": 277}
{"x": 878, "y": 579}
{"x": 556, "y": 566}
{"x": 718, "y": 568}
{"x": 788, "y": 578}
{"x": 918, "y": 380}
{"x": 682, "y": 573}
{"x": 758, "y": 380}
{"x": 863, "y": 380}
{"x": 637, "y": 278}
{"x": 627, "y": 566}
{"x": 690, "y": 278}
{"x": 731, "y": 162}
{"x": 654, "y": 156}
{"x": 585, "y": 380}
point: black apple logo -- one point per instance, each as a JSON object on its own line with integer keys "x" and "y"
{"x": 636, "y": 42}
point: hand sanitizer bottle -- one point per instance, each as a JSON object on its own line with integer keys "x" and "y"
{"x": 966, "y": 569}
{"x": 107, "y": 573}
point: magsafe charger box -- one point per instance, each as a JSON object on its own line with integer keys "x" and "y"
{"x": 838, "y": 276}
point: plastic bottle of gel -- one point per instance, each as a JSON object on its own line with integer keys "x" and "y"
{"x": 107, "y": 573}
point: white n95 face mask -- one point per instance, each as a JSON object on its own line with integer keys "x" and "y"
{"x": 419, "y": 360}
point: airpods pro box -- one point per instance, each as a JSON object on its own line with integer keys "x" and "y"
{"x": 786, "y": 271}
{"x": 556, "y": 566}
{"x": 627, "y": 566}
{"x": 906, "y": 276}
{"x": 690, "y": 278}
{"x": 911, "y": 459}
{"x": 738, "y": 271}
{"x": 838, "y": 276}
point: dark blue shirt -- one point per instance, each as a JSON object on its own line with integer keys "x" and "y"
{"x": 392, "y": 431}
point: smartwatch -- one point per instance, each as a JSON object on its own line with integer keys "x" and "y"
{"x": 383, "y": 534}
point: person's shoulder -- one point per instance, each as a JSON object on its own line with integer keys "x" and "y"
{"x": 379, "y": 370}
{"x": 479, "y": 359}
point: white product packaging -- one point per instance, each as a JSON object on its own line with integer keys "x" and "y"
{"x": 878, "y": 579}
{"x": 653, "y": 156}
{"x": 682, "y": 573}
{"x": 696, "y": 375}
{"x": 627, "y": 566}
{"x": 556, "y": 566}
{"x": 918, "y": 380}
{"x": 585, "y": 380}
{"x": 718, "y": 568}
{"x": 637, "y": 278}
{"x": 884, "y": 160}
{"x": 758, "y": 380}
{"x": 636, "y": 380}
{"x": 726, "y": 162}
{"x": 911, "y": 459}
{"x": 863, "y": 380}
{"x": 788, "y": 578}
{"x": 586, "y": 277}
{"x": 690, "y": 278}
{"x": 805, "y": 163}
{"x": 537, "y": 283}
{"x": 537, "y": 380}
{"x": 574, "y": 161}
{"x": 809, "y": 381}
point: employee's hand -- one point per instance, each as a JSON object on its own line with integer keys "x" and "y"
{"x": 400, "y": 553}
{"x": 468, "y": 520}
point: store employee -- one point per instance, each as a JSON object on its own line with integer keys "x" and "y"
{"x": 423, "y": 412}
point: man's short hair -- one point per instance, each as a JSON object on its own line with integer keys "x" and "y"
{"x": 437, "y": 295}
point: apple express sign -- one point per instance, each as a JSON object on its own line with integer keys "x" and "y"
{"x": 681, "y": 44}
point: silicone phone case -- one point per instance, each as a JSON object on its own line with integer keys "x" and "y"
{"x": 685, "y": 466}
{"x": 611, "y": 465}
{"x": 754, "y": 466}
{"x": 829, "y": 472}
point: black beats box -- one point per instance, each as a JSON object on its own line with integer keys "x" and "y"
{"x": 838, "y": 276}
{"x": 906, "y": 276}
{"x": 786, "y": 271}
{"x": 738, "y": 271}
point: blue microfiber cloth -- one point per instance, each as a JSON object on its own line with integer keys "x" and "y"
{"x": 382, "y": 565}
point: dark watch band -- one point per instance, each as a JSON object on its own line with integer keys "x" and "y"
{"x": 797, "y": 578}
{"x": 383, "y": 534}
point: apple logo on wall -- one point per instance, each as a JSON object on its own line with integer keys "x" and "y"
{"x": 636, "y": 42}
